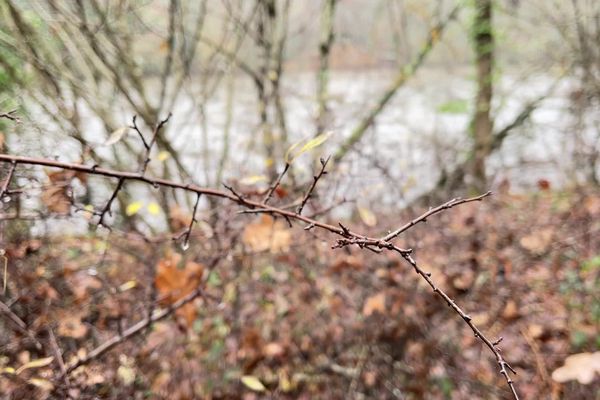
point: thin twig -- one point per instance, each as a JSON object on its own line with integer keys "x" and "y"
{"x": 19, "y": 324}
{"x": 4, "y": 271}
{"x": 135, "y": 127}
{"x": 58, "y": 354}
{"x": 106, "y": 208}
{"x": 148, "y": 145}
{"x": 11, "y": 172}
{"x": 276, "y": 184}
{"x": 10, "y": 115}
{"x": 188, "y": 232}
{"x": 314, "y": 184}
{"x": 423, "y": 217}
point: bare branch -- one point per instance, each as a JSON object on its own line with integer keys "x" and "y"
{"x": 9, "y": 176}
{"x": 58, "y": 354}
{"x": 188, "y": 232}
{"x": 148, "y": 145}
{"x": 10, "y": 115}
{"x": 135, "y": 127}
{"x": 504, "y": 366}
{"x": 432, "y": 211}
{"x": 19, "y": 324}
{"x": 314, "y": 184}
{"x": 276, "y": 183}
{"x": 106, "y": 208}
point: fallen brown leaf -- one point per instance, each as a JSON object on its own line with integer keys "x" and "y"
{"x": 374, "y": 304}
{"x": 267, "y": 234}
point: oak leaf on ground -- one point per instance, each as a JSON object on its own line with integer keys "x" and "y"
{"x": 174, "y": 281}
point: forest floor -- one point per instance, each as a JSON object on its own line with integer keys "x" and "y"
{"x": 296, "y": 319}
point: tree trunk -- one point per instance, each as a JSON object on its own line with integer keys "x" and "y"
{"x": 482, "y": 124}
{"x": 327, "y": 26}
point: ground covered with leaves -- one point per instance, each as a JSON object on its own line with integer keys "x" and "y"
{"x": 285, "y": 316}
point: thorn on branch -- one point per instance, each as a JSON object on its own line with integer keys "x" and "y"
{"x": 239, "y": 197}
{"x": 288, "y": 221}
{"x": 309, "y": 227}
{"x": 345, "y": 231}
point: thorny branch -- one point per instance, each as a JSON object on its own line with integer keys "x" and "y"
{"x": 432, "y": 211}
{"x": 348, "y": 237}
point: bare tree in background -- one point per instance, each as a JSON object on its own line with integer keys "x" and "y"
{"x": 482, "y": 124}
{"x": 584, "y": 40}
{"x": 325, "y": 43}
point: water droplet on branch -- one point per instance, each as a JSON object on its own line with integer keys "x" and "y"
{"x": 185, "y": 245}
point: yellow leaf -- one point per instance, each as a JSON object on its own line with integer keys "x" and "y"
{"x": 40, "y": 362}
{"x": 253, "y": 383}
{"x": 284, "y": 382}
{"x": 127, "y": 285}
{"x": 41, "y": 383}
{"x": 163, "y": 155}
{"x": 288, "y": 158}
{"x": 153, "y": 208}
{"x": 126, "y": 374}
{"x": 269, "y": 162}
{"x": 89, "y": 208}
{"x": 117, "y": 135}
{"x": 133, "y": 208}
{"x": 291, "y": 154}
{"x": 367, "y": 216}
{"x": 7, "y": 370}
{"x": 315, "y": 142}
{"x": 251, "y": 180}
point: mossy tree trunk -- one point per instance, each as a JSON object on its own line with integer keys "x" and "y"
{"x": 482, "y": 125}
